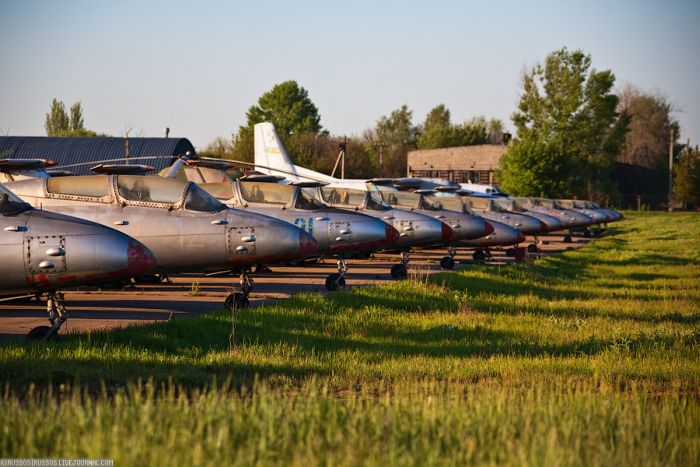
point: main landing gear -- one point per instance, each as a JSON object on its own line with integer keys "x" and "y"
{"x": 400, "y": 271}
{"x": 57, "y": 316}
{"x": 448, "y": 262}
{"x": 336, "y": 281}
{"x": 239, "y": 298}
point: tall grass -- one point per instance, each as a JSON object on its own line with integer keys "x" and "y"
{"x": 587, "y": 357}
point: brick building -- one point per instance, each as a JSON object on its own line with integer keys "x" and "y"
{"x": 462, "y": 164}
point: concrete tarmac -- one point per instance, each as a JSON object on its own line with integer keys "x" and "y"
{"x": 93, "y": 309}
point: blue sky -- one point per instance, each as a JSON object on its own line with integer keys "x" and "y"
{"x": 197, "y": 66}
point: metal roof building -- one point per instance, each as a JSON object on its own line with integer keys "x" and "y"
{"x": 79, "y": 154}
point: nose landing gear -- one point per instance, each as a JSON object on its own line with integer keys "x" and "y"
{"x": 400, "y": 271}
{"x": 448, "y": 262}
{"x": 57, "y": 316}
{"x": 239, "y": 298}
{"x": 336, "y": 281}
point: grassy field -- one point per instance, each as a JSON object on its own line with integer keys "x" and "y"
{"x": 588, "y": 357}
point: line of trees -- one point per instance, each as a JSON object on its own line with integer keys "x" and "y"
{"x": 297, "y": 119}
{"x": 60, "y": 123}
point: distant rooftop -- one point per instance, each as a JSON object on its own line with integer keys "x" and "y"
{"x": 79, "y": 154}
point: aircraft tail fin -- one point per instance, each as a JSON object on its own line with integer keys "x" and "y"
{"x": 269, "y": 150}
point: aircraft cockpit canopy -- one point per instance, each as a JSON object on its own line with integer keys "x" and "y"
{"x": 346, "y": 196}
{"x": 91, "y": 186}
{"x": 10, "y": 203}
{"x": 403, "y": 199}
{"x": 269, "y": 193}
{"x": 168, "y": 191}
{"x": 307, "y": 201}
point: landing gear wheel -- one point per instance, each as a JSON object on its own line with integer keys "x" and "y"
{"x": 510, "y": 252}
{"x": 447, "y": 262}
{"x": 40, "y": 333}
{"x": 399, "y": 271}
{"x": 587, "y": 233}
{"x": 335, "y": 282}
{"x": 532, "y": 248}
{"x": 479, "y": 255}
{"x": 567, "y": 238}
{"x": 236, "y": 300}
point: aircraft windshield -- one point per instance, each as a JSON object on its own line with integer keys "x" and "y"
{"x": 150, "y": 189}
{"x": 222, "y": 191}
{"x": 271, "y": 193}
{"x": 307, "y": 202}
{"x": 375, "y": 203}
{"x": 451, "y": 203}
{"x": 508, "y": 205}
{"x": 401, "y": 198}
{"x": 10, "y": 203}
{"x": 94, "y": 186}
{"x": 345, "y": 196}
{"x": 483, "y": 204}
{"x": 199, "y": 200}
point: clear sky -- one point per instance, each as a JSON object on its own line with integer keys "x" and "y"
{"x": 197, "y": 66}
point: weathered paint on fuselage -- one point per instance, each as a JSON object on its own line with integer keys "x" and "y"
{"x": 42, "y": 251}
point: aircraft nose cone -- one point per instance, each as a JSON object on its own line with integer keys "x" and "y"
{"x": 392, "y": 235}
{"x": 140, "y": 259}
{"x": 488, "y": 228}
{"x": 521, "y": 237}
{"x": 307, "y": 244}
{"x": 447, "y": 232}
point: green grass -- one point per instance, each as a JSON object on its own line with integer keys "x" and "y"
{"x": 587, "y": 357}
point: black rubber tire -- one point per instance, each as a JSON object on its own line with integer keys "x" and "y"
{"x": 335, "y": 282}
{"x": 236, "y": 299}
{"x": 399, "y": 271}
{"x": 587, "y": 233}
{"x": 510, "y": 252}
{"x": 532, "y": 248}
{"x": 447, "y": 262}
{"x": 39, "y": 333}
{"x": 567, "y": 238}
{"x": 479, "y": 255}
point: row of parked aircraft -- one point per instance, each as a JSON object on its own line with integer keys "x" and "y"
{"x": 120, "y": 225}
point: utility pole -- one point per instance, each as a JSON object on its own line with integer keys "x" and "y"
{"x": 341, "y": 158}
{"x": 380, "y": 146}
{"x": 670, "y": 172}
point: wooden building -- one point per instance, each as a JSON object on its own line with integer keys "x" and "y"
{"x": 464, "y": 164}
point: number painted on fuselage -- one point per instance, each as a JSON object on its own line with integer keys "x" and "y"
{"x": 302, "y": 224}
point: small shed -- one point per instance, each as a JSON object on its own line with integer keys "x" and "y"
{"x": 463, "y": 164}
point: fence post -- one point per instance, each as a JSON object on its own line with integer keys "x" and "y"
{"x": 639, "y": 202}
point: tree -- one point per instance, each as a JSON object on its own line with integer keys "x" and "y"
{"x": 76, "y": 117}
{"x": 569, "y": 132}
{"x": 686, "y": 185}
{"x": 58, "y": 123}
{"x": 437, "y": 131}
{"x": 646, "y": 142}
{"x": 394, "y": 136}
{"x": 57, "y": 120}
{"x": 287, "y": 106}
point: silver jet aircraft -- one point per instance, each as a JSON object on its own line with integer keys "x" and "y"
{"x": 339, "y": 233}
{"x": 187, "y": 229}
{"x": 415, "y": 229}
{"x": 42, "y": 252}
{"x": 502, "y": 234}
{"x": 571, "y": 219}
{"x": 511, "y": 205}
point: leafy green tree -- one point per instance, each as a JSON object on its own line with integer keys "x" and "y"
{"x": 394, "y": 136}
{"x": 76, "y": 117}
{"x": 567, "y": 113}
{"x": 287, "y": 106}
{"x": 58, "y": 123}
{"x": 437, "y": 131}
{"x": 686, "y": 184}
{"x": 57, "y": 120}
